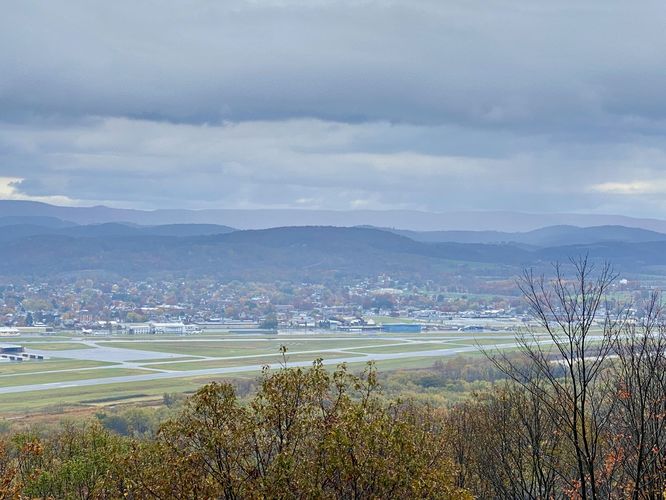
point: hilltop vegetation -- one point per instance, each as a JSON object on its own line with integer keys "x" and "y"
{"x": 306, "y": 434}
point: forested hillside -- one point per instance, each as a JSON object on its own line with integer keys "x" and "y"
{"x": 313, "y": 253}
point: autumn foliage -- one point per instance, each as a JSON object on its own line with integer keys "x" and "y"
{"x": 306, "y": 434}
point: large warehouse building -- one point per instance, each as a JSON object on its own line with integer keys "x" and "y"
{"x": 401, "y": 328}
{"x": 11, "y": 349}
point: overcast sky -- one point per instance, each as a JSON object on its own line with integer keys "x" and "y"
{"x": 438, "y": 105}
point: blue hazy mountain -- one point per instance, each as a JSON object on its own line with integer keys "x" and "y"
{"x": 313, "y": 253}
{"x": 110, "y": 229}
{"x": 543, "y": 237}
{"x": 42, "y": 239}
{"x": 267, "y": 218}
{"x": 41, "y": 221}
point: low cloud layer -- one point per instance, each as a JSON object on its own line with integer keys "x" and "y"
{"x": 529, "y": 106}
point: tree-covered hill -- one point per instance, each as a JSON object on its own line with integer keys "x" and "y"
{"x": 290, "y": 253}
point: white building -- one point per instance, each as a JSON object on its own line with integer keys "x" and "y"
{"x": 168, "y": 328}
{"x": 160, "y": 328}
{"x": 9, "y": 332}
{"x": 138, "y": 328}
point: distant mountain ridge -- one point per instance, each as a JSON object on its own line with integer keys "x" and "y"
{"x": 267, "y": 218}
{"x": 37, "y": 239}
{"x": 42, "y": 221}
{"x": 543, "y": 237}
{"x": 312, "y": 253}
{"x": 110, "y": 229}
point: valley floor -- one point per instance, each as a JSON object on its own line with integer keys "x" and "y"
{"x": 83, "y": 371}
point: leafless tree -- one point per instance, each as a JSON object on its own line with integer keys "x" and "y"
{"x": 639, "y": 422}
{"x": 565, "y": 360}
{"x": 516, "y": 446}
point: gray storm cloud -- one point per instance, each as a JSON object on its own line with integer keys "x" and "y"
{"x": 336, "y": 104}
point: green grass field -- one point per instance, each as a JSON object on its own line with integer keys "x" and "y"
{"x": 241, "y": 348}
{"x": 405, "y": 347}
{"x": 259, "y": 360}
{"x": 56, "y": 400}
{"x": 48, "y": 365}
{"x": 66, "y": 376}
{"x": 488, "y": 341}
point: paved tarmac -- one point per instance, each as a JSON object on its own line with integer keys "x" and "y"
{"x": 160, "y": 375}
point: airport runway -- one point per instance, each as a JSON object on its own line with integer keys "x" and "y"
{"x": 240, "y": 369}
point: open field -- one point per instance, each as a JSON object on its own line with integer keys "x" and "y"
{"x": 240, "y": 347}
{"x": 99, "y": 395}
{"x": 403, "y": 347}
{"x": 259, "y": 360}
{"x": 107, "y": 370}
{"x": 55, "y": 364}
{"x": 65, "y": 376}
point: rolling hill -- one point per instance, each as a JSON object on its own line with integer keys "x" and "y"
{"x": 314, "y": 253}
{"x": 543, "y": 237}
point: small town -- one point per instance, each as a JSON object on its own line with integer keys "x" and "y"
{"x": 98, "y": 307}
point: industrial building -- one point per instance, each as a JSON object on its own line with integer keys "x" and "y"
{"x": 401, "y": 328}
{"x": 177, "y": 328}
{"x": 13, "y": 352}
{"x": 138, "y": 329}
{"x": 168, "y": 328}
{"x": 11, "y": 349}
